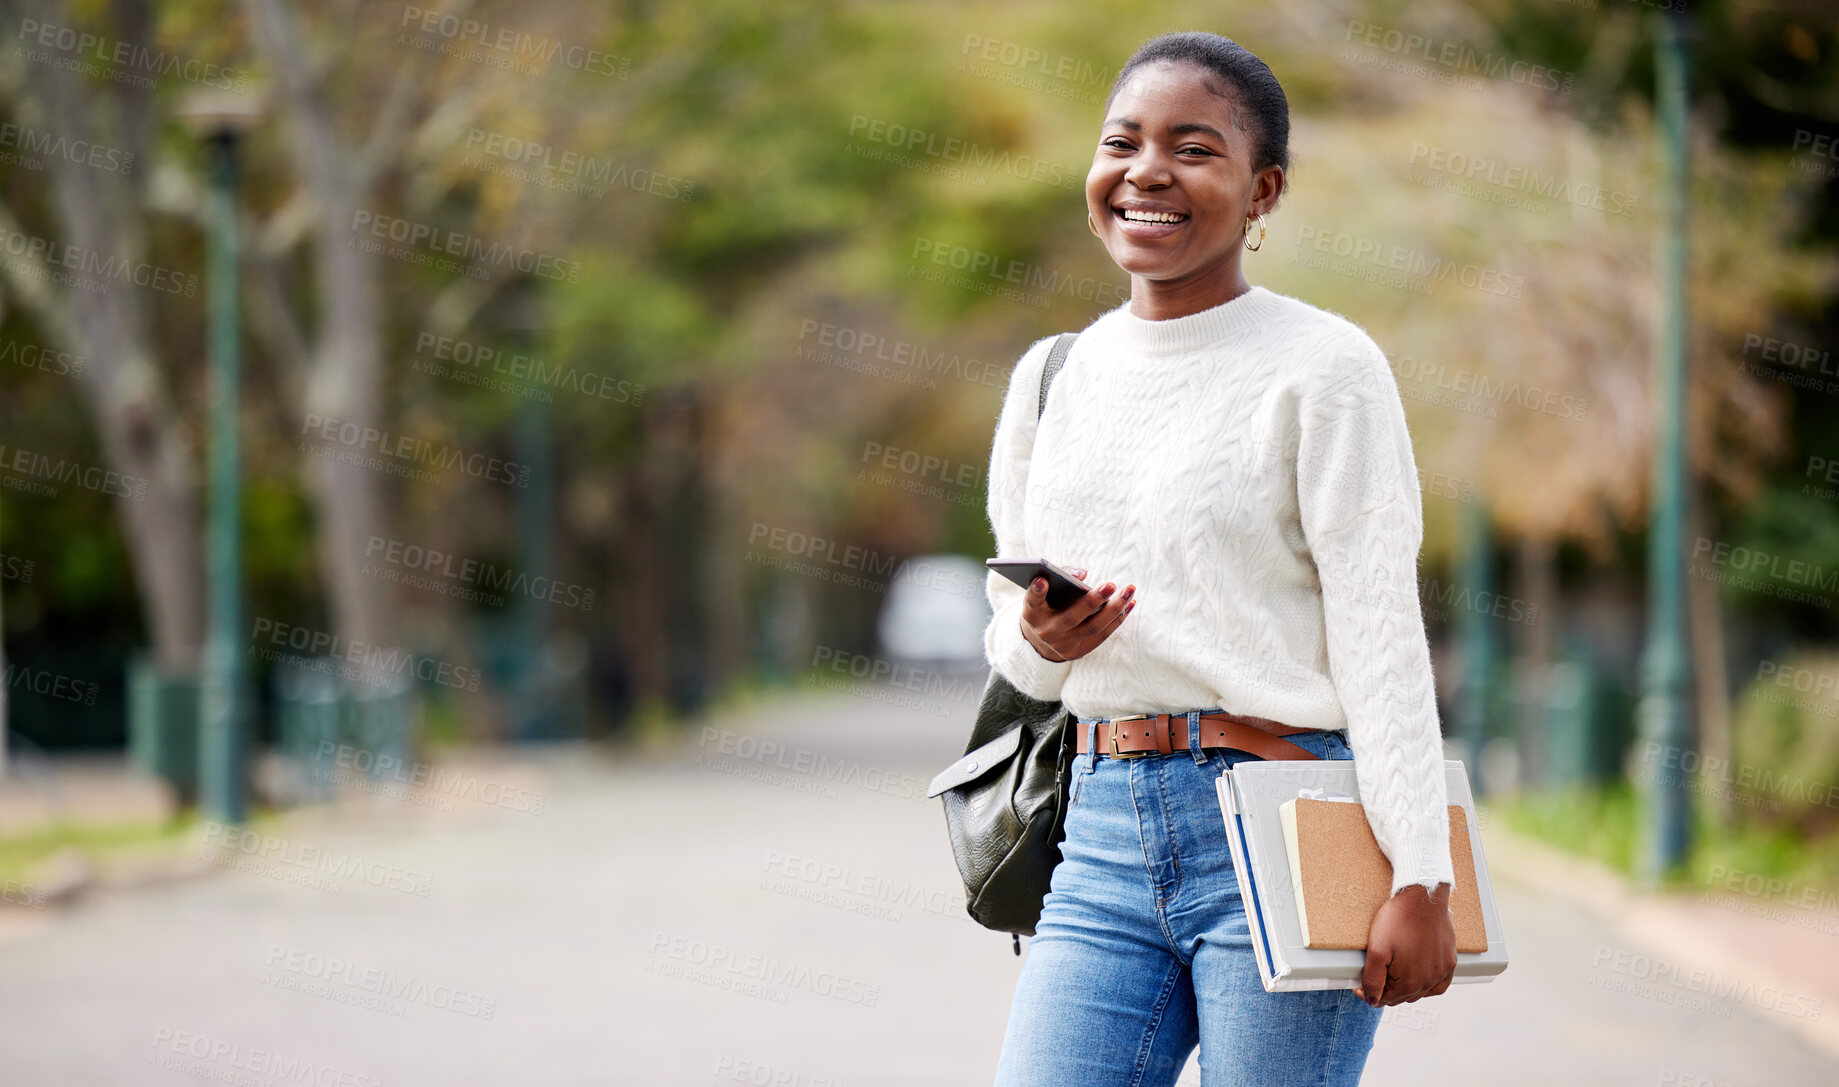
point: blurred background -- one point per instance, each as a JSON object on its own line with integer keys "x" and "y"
{"x": 492, "y": 509}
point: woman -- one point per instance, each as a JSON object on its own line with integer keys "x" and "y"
{"x": 1242, "y": 457}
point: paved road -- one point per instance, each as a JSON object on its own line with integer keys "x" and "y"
{"x": 619, "y": 936}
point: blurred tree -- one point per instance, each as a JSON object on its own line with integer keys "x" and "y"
{"x": 92, "y": 218}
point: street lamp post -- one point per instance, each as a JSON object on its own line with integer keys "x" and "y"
{"x": 223, "y": 704}
{"x": 1664, "y": 721}
{"x": 1475, "y": 638}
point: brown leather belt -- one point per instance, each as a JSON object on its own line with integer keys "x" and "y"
{"x": 1143, "y": 734}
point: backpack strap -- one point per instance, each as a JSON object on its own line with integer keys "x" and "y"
{"x": 1056, "y": 358}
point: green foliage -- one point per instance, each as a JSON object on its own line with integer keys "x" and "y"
{"x": 23, "y": 856}
{"x": 1596, "y": 821}
{"x": 1790, "y": 522}
{"x": 798, "y": 214}
{"x": 1785, "y": 744}
{"x": 1604, "y": 824}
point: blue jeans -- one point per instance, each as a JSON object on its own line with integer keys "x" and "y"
{"x": 1143, "y": 951}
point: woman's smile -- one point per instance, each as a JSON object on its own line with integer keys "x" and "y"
{"x": 1143, "y": 220}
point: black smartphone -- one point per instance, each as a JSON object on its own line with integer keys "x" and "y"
{"x": 1062, "y": 587}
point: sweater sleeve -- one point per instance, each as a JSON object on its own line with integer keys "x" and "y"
{"x": 1362, "y": 515}
{"x": 1007, "y": 651}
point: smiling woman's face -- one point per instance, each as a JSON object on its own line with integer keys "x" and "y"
{"x": 1172, "y": 183}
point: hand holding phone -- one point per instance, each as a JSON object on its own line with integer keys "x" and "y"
{"x": 1063, "y": 588}
{"x": 1061, "y": 617}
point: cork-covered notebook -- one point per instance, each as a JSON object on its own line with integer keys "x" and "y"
{"x": 1342, "y": 878}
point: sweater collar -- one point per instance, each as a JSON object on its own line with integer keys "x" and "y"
{"x": 1196, "y": 331}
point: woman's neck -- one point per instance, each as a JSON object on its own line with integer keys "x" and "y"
{"x": 1158, "y": 300}
{"x": 1201, "y": 331}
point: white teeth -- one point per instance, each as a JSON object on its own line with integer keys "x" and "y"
{"x": 1152, "y": 216}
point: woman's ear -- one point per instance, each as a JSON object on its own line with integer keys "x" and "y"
{"x": 1266, "y": 188}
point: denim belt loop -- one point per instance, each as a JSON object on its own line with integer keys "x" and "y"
{"x": 1200, "y": 757}
{"x": 1091, "y": 745}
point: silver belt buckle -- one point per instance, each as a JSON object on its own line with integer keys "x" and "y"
{"x": 1114, "y": 752}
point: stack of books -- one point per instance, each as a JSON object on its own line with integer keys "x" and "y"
{"x": 1313, "y": 877}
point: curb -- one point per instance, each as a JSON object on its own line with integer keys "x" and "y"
{"x": 1665, "y": 925}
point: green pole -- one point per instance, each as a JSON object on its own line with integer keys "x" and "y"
{"x": 1475, "y": 636}
{"x": 223, "y": 744}
{"x": 1664, "y": 725}
{"x": 537, "y": 718}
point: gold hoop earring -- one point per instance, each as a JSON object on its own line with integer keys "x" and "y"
{"x": 1092, "y": 226}
{"x": 1262, "y": 231}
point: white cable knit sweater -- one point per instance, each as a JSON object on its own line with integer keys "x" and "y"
{"x": 1249, "y": 470}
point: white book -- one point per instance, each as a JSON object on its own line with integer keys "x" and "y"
{"x": 1251, "y": 796}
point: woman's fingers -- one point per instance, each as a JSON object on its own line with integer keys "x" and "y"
{"x": 1075, "y": 630}
{"x": 1111, "y": 605}
{"x": 1095, "y": 628}
{"x": 1100, "y": 635}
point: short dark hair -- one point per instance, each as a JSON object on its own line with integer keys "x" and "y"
{"x": 1239, "y": 75}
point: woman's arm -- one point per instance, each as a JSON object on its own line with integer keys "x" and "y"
{"x": 1362, "y": 515}
{"x": 1005, "y": 646}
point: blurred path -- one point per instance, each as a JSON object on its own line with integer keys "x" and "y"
{"x": 708, "y": 914}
